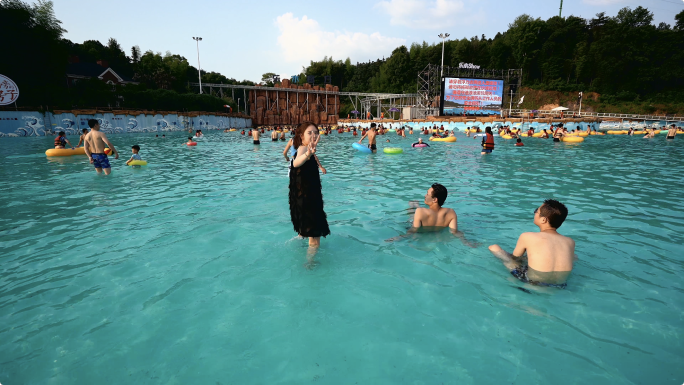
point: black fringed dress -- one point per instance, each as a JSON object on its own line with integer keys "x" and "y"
{"x": 306, "y": 200}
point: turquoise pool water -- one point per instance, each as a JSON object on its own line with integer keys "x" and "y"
{"x": 187, "y": 271}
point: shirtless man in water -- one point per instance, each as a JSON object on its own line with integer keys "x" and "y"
{"x": 255, "y": 136}
{"x": 671, "y": 132}
{"x": 435, "y": 217}
{"x": 371, "y": 134}
{"x": 94, "y": 146}
{"x": 550, "y": 256}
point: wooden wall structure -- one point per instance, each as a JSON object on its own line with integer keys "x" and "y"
{"x": 292, "y": 104}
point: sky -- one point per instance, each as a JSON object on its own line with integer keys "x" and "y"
{"x": 245, "y": 39}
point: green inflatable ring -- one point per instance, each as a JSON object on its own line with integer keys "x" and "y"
{"x": 392, "y": 150}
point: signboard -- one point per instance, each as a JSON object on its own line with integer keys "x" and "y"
{"x": 471, "y": 96}
{"x": 9, "y": 92}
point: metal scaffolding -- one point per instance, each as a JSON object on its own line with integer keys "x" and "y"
{"x": 430, "y": 84}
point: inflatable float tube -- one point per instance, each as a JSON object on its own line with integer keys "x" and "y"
{"x": 362, "y": 148}
{"x": 506, "y": 136}
{"x": 392, "y": 150}
{"x": 70, "y": 152}
{"x": 191, "y": 144}
{"x": 420, "y": 145}
{"x": 572, "y": 139}
{"x": 391, "y": 130}
{"x": 232, "y": 129}
{"x": 138, "y": 163}
{"x": 450, "y": 139}
{"x": 65, "y": 151}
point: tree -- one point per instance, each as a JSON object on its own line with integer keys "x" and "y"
{"x": 679, "y": 19}
{"x": 267, "y": 79}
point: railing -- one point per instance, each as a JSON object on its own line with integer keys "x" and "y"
{"x": 574, "y": 114}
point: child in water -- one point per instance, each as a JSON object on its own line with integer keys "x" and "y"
{"x": 519, "y": 143}
{"x": 190, "y": 141}
{"x": 135, "y": 149}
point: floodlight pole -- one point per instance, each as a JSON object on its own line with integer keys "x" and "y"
{"x": 560, "y": 13}
{"x": 442, "y": 36}
{"x": 199, "y": 68}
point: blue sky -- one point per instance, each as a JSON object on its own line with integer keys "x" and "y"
{"x": 244, "y": 39}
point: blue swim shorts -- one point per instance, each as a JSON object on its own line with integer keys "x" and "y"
{"x": 487, "y": 150}
{"x": 100, "y": 161}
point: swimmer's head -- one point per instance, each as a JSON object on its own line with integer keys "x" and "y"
{"x": 190, "y": 138}
{"x": 420, "y": 140}
{"x": 85, "y": 130}
{"x": 372, "y": 126}
{"x": 306, "y": 133}
{"x": 135, "y": 148}
{"x": 62, "y": 133}
{"x": 436, "y": 194}
{"x": 488, "y": 130}
{"x": 551, "y": 212}
{"x": 94, "y": 124}
{"x": 519, "y": 140}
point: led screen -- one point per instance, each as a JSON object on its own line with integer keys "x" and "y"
{"x": 471, "y": 96}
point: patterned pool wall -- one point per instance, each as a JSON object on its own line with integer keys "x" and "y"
{"x": 34, "y": 123}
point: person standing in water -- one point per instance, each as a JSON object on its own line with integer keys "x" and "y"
{"x": 550, "y": 256}
{"x": 671, "y": 132}
{"x": 306, "y": 198}
{"x": 488, "y": 142}
{"x": 274, "y": 136}
{"x": 255, "y": 136}
{"x": 81, "y": 139}
{"x": 94, "y": 146}
{"x": 371, "y": 134}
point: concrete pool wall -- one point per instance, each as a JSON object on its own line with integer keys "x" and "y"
{"x": 35, "y": 123}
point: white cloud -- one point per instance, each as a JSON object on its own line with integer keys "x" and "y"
{"x": 429, "y": 14}
{"x": 303, "y": 40}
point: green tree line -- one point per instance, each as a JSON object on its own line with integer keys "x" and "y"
{"x": 625, "y": 58}
{"x": 40, "y": 55}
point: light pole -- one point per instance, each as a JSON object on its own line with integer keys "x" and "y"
{"x": 199, "y": 68}
{"x": 443, "y": 36}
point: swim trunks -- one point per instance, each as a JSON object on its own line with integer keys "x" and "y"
{"x": 372, "y": 147}
{"x": 274, "y": 139}
{"x": 487, "y": 150}
{"x": 521, "y": 274}
{"x": 670, "y": 137}
{"x": 257, "y": 142}
{"x": 556, "y": 139}
{"x": 100, "y": 161}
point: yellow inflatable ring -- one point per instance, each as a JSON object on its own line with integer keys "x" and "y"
{"x": 138, "y": 163}
{"x": 506, "y": 137}
{"x": 65, "y": 151}
{"x": 572, "y": 139}
{"x": 449, "y": 139}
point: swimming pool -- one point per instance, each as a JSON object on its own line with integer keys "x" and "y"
{"x": 187, "y": 271}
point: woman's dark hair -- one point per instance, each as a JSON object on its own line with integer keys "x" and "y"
{"x": 62, "y": 133}
{"x": 92, "y": 122}
{"x": 439, "y": 192}
{"x": 299, "y": 132}
{"x": 135, "y": 147}
{"x": 488, "y": 130}
{"x": 554, "y": 211}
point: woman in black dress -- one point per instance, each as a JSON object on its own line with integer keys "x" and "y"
{"x": 306, "y": 200}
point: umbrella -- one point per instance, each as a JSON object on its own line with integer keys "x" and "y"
{"x": 560, "y": 109}
{"x": 393, "y": 109}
